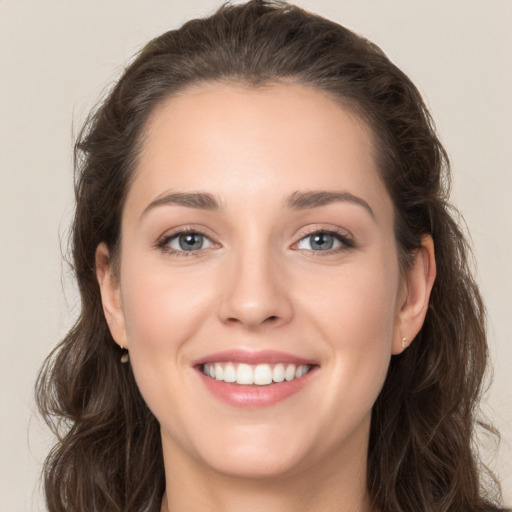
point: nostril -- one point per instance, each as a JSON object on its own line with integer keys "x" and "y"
{"x": 270, "y": 319}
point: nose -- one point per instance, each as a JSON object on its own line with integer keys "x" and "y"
{"x": 254, "y": 292}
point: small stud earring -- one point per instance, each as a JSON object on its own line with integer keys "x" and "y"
{"x": 404, "y": 342}
{"x": 124, "y": 357}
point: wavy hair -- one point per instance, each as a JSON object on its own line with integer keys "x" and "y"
{"x": 108, "y": 456}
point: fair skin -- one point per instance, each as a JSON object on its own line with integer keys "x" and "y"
{"x": 267, "y": 269}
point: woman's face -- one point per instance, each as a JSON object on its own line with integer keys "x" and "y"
{"x": 257, "y": 245}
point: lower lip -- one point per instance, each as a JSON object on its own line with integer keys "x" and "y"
{"x": 252, "y": 396}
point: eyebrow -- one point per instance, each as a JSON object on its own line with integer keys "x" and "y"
{"x": 198, "y": 200}
{"x": 315, "y": 199}
{"x": 296, "y": 201}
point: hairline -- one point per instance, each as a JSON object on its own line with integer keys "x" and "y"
{"x": 351, "y": 105}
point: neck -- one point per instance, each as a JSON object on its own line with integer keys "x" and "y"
{"x": 331, "y": 486}
{"x": 270, "y": 497}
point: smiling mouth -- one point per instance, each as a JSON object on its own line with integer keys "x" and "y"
{"x": 259, "y": 374}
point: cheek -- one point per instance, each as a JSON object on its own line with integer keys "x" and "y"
{"x": 160, "y": 306}
{"x": 163, "y": 311}
{"x": 355, "y": 312}
{"x": 356, "y": 306}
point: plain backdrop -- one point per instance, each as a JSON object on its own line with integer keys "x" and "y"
{"x": 56, "y": 58}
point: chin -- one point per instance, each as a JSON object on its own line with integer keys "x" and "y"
{"x": 250, "y": 451}
{"x": 256, "y": 462}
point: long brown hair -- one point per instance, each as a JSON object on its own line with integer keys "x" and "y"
{"x": 108, "y": 455}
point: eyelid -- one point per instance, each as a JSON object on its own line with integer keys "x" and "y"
{"x": 342, "y": 235}
{"x": 163, "y": 241}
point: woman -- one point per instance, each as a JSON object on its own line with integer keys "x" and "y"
{"x": 277, "y": 310}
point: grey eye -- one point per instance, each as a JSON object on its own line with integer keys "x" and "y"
{"x": 189, "y": 242}
{"x": 321, "y": 241}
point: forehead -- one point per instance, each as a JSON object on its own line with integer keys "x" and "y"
{"x": 249, "y": 140}
{"x": 219, "y": 115}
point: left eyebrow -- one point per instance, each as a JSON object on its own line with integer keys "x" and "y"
{"x": 198, "y": 200}
{"x": 314, "y": 199}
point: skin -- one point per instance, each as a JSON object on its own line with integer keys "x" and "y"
{"x": 258, "y": 285}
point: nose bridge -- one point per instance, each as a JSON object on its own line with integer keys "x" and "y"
{"x": 254, "y": 290}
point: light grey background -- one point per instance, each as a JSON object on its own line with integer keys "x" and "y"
{"x": 56, "y": 57}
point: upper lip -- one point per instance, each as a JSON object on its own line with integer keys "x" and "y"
{"x": 248, "y": 357}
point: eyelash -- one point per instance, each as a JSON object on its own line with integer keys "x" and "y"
{"x": 164, "y": 247}
{"x": 346, "y": 242}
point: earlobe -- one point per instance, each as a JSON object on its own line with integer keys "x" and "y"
{"x": 419, "y": 280}
{"x": 110, "y": 295}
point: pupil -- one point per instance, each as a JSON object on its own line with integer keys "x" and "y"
{"x": 191, "y": 241}
{"x": 322, "y": 241}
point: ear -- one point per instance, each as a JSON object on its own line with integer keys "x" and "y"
{"x": 110, "y": 295}
{"x": 418, "y": 282}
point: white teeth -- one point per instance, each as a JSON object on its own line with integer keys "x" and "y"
{"x": 289, "y": 373}
{"x": 301, "y": 370}
{"x": 219, "y": 372}
{"x": 260, "y": 375}
{"x": 278, "y": 373}
{"x": 244, "y": 374}
{"x": 229, "y": 373}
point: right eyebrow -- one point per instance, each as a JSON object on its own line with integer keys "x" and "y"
{"x": 314, "y": 199}
{"x": 198, "y": 200}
